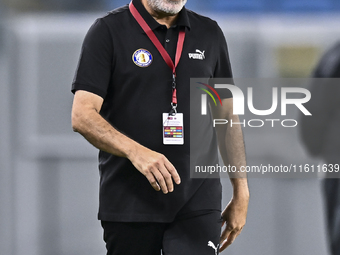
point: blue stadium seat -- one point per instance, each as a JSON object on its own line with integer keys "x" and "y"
{"x": 336, "y": 5}
{"x": 112, "y": 4}
{"x": 237, "y": 5}
{"x": 306, "y": 5}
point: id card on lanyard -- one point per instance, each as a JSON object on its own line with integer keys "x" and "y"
{"x": 172, "y": 121}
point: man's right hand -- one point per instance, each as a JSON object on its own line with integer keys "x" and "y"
{"x": 156, "y": 168}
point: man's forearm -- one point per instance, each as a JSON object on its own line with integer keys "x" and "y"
{"x": 235, "y": 150}
{"x": 102, "y": 134}
{"x": 231, "y": 146}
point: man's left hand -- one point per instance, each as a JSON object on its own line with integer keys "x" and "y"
{"x": 234, "y": 216}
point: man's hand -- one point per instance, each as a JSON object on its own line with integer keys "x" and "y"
{"x": 156, "y": 168}
{"x": 234, "y": 216}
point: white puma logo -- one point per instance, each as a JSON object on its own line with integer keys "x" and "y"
{"x": 212, "y": 245}
{"x": 201, "y": 52}
{"x": 198, "y": 55}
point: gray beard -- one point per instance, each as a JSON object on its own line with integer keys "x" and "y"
{"x": 167, "y": 6}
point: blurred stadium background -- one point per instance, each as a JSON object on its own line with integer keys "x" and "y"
{"x": 48, "y": 175}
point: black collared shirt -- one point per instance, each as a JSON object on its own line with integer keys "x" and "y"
{"x": 119, "y": 63}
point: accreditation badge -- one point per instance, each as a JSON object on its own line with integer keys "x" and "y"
{"x": 173, "y": 129}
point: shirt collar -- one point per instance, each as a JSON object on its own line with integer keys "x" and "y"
{"x": 182, "y": 21}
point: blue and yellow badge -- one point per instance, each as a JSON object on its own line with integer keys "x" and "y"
{"x": 142, "y": 58}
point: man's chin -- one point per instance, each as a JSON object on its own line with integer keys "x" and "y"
{"x": 167, "y": 7}
{"x": 172, "y": 12}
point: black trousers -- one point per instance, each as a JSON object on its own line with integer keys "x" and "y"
{"x": 332, "y": 203}
{"x": 195, "y": 234}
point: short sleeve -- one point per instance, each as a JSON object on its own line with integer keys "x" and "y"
{"x": 95, "y": 64}
{"x": 223, "y": 66}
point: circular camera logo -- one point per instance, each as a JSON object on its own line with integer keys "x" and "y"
{"x": 142, "y": 58}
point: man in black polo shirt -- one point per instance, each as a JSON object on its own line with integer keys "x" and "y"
{"x": 135, "y": 66}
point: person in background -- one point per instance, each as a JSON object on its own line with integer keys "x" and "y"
{"x": 320, "y": 134}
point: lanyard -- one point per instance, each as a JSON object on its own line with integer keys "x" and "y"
{"x": 161, "y": 49}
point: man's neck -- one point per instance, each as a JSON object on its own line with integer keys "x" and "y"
{"x": 162, "y": 18}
